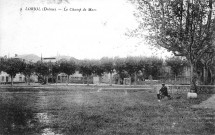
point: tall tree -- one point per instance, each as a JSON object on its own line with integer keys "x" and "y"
{"x": 98, "y": 69}
{"x": 2, "y": 66}
{"x": 28, "y": 70}
{"x": 108, "y": 64}
{"x": 42, "y": 71}
{"x": 55, "y": 70}
{"x": 119, "y": 67}
{"x": 68, "y": 67}
{"x": 184, "y": 27}
{"x": 86, "y": 68}
{"x": 12, "y": 67}
{"x": 132, "y": 66}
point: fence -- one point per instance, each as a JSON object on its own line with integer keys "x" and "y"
{"x": 186, "y": 88}
{"x": 182, "y": 80}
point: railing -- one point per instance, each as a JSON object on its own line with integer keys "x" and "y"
{"x": 201, "y": 89}
{"x": 178, "y": 88}
{"x": 175, "y": 80}
{"x": 186, "y": 88}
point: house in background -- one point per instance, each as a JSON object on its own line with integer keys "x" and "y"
{"x": 49, "y": 59}
{"x": 104, "y": 79}
{"x": 79, "y": 78}
{"x": 5, "y": 78}
{"x": 75, "y": 78}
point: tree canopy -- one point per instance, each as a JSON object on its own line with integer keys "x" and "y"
{"x": 184, "y": 27}
{"x": 68, "y": 67}
{"x": 176, "y": 64}
{"x": 12, "y": 67}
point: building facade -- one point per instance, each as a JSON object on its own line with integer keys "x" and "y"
{"x": 5, "y": 78}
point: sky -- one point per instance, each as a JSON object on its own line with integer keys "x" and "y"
{"x": 70, "y": 30}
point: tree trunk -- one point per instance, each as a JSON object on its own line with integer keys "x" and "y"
{"x": 135, "y": 78}
{"x": 56, "y": 79}
{"x": 205, "y": 75}
{"x": 110, "y": 79}
{"x": 210, "y": 76}
{"x": 11, "y": 80}
{"x": 100, "y": 79}
{"x": 119, "y": 79}
{"x": 83, "y": 79}
{"x": 87, "y": 80}
{"x": 67, "y": 80}
{"x": 193, "y": 79}
{"x": 52, "y": 79}
{"x": 47, "y": 79}
{"x": 130, "y": 80}
{"x": 28, "y": 80}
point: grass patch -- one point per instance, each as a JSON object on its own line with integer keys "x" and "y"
{"x": 117, "y": 112}
{"x": 136, "y": 113}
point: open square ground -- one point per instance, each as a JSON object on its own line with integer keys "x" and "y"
{"x": 86, "y": 110}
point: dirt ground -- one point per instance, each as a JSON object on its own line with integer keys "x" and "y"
{"x": 209, "y": 103}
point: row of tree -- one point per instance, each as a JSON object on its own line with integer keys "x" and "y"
{"x": 124, "y": 67}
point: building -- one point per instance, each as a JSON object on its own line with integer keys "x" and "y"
{"x": 49, "y": 59}
{"x": 79, "y": 78}
{"x": 75, "y": 78}
{"x": 5, "y": 78}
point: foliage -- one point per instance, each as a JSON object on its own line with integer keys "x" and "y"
{"x": 68, "y": 67}
{"x": 153, "y": 67}
{"x": 2, "y": 66}
{"x": 207, "y": 64}
{"x": 97, "y": 67}
{"x": 138, "y": 67}
{"x": 108, "y": 64}
{"x": 119, "y": 67}
{"x": 176, "y": 64}
{"x": 85, "y": 67}
{"x": 55, "y": 68}
{"x": 13, "y": 66}
{"x": 184, "y": 27}
{"x": 132, "y": 65}
{"x": 42, "y": 69}
{"x": 28, "y": 69}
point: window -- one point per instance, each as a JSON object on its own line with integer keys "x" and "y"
{"x": 2, "y": 79}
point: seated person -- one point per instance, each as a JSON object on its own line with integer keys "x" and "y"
{"x": 163, "y": 92}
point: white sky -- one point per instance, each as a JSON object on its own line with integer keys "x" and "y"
{"x": 81, "y": 35}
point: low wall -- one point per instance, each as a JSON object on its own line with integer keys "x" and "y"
{"x": 178, "y": 88}
{"x": 186, "y": 88}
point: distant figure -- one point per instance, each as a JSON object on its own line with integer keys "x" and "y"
{"x": 163, "y": 92}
